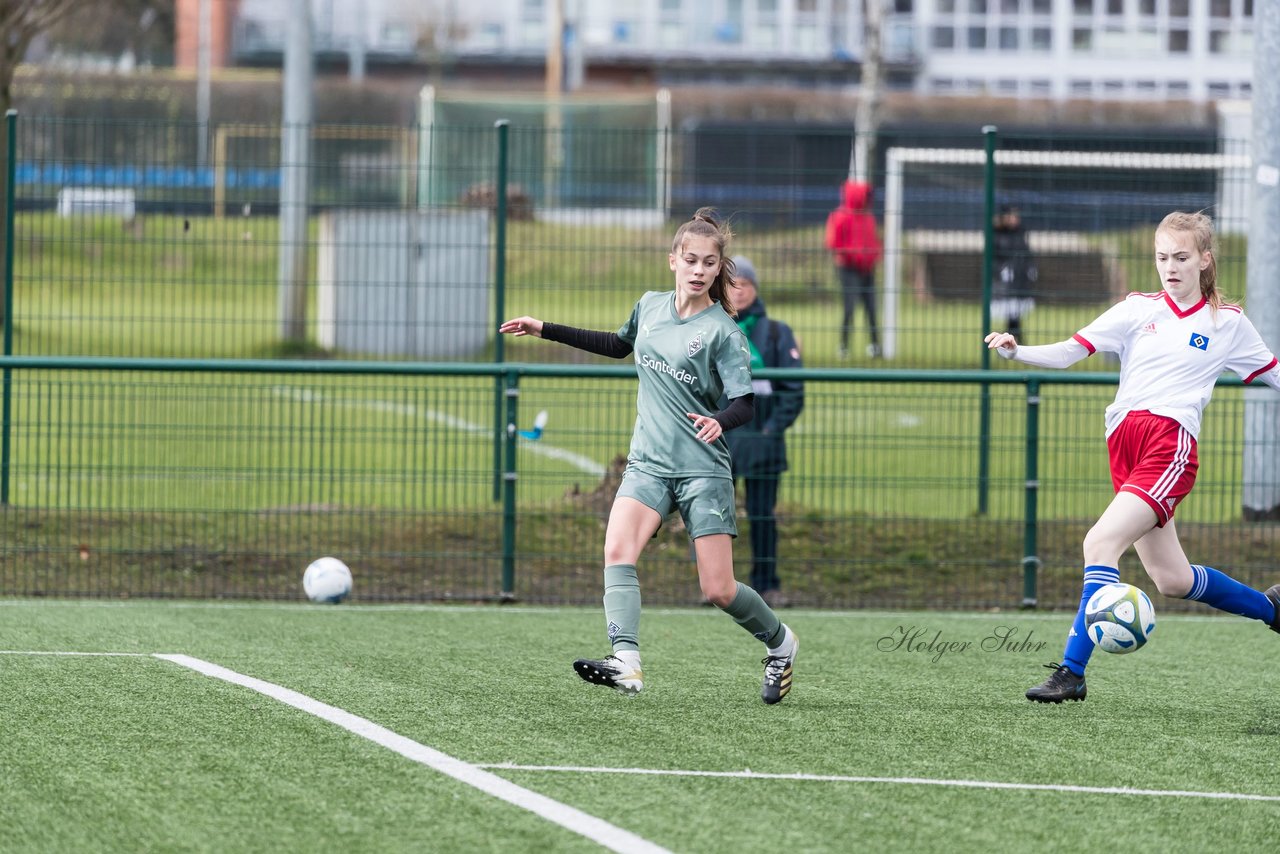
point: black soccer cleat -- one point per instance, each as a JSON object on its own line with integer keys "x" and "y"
{"x": 1062, "y": 685}
{"x": 777, "y": 673}
{"x": 611, "y": 672}
{"x": 1273, "y": 593}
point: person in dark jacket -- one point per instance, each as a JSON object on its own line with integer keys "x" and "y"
{"x": 1014, "y": 272}
{"x": 758, "y": 450}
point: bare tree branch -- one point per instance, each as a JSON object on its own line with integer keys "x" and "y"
{"x": 20, "y": 22}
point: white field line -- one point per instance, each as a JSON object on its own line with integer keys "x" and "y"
{"x": 904, "y": 781}
{"x": 609, "y": 836}
{"x": 408, "y": 410}
{"x": 601, "y": 832}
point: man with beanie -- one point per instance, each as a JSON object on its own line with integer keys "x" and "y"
{"x": 758, "y": 450}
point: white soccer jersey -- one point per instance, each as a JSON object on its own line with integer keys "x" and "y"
{"x": 1171, "y": 358}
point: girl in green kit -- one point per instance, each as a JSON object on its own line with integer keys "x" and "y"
{"x": 688, "y": 352}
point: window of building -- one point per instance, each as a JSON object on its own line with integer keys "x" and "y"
{"x": 670, "y": 25}
{"x": 1112, "y": 88}
{"x": 976, "y": 38}
{"x": 943, "y": 38}
{"x": 1219, "y": 89}
{"x": 1041, "y": 88}
{"x": 1008, "y": 38}
{"x": 487, "y": 35}
{"x": 807, "y": 37}
{"x": 1179, "y": 8}
{"x": 899, "y": 40}
{"x": 1179, "y": 41}
{"x": 1005, "y": 86}
{"x": 904, "y": 7}
{"x": 1115, "y": 7}
{"x": 1042, "y": 7}
{"x": 1219, "y": 8}
{"x": 764, "y": 37}
{"x": 1146, "y": 41}
{"x": 1041, "y": 39}
{"x": 977, "y": 7}
{"x": 1113, "y": 41}
{"x": 1082, "y": 40}
{"x": 532, "y": 32}
{"x": 1083, "y": 8}
{"x": 729, "y": 30}
{"x": 946, "y": 7}
{"x": 1009, "y": 7}
{"x": 943, "y": 85}
{"x": 1081, "y": 88}
{"x": 624, "y": 31}
{"x": 396, "y": 35}
{"x": 1147, "y": 8}
{"x": 1178, "y": 89}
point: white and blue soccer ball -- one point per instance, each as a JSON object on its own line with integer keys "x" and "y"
{"x": 1119, "y": 618}
{"x": 327, "y": 579}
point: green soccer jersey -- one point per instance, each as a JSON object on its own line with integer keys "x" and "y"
{"x": 684, "y": 365}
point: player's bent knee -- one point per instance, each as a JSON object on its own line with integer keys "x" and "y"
{"x": 1102, "y": 548}
{"x": 721, "y": 597}
{"x": 1173, "y": 585}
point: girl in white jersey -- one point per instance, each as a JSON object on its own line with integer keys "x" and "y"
{"x": 688, "y": 352}
{"x": 1172, "y": 345}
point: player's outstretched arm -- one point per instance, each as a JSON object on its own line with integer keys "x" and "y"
{"x": 522, "y": 326}
{"x": 1063, "y": 354}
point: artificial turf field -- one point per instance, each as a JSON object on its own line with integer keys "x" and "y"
{"x": 287, "y": 727}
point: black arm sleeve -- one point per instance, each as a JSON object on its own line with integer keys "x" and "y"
{"x": 600, "y": 343}
{"x": 739, "y": 411}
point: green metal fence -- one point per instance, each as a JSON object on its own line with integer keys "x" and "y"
{"x": 403, "y": 231}
{"x": 161, "y": 437}
{"x": 190, "y": 478}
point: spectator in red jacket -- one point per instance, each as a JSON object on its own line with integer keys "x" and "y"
{"x": 855, "y": 248}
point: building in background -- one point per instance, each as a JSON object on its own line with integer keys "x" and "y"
{"x": 1180, "y": 50}
{"x": 222, "y": 17}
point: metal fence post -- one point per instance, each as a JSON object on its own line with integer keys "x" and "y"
{"x": 509, "y": 477}
{"x": 503, "y": 128}
{"x": 11, "y": 160}
{"x": 988, "y": 236}
{"x": 1030, "y": 558}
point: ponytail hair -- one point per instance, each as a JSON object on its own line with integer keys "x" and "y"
{"x": 1200, "y": 227}
{"x": 706, "y": 223}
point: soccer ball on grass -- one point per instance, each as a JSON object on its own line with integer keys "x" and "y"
{"x": 1119, "y": 618}
{"x": 327, "y": 579}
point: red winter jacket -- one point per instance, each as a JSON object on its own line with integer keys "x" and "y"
{"x": 851, "y": 229}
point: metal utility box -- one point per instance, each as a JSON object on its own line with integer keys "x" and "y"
{"x": 404, "y": 283}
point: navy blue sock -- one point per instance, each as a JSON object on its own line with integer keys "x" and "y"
{"x": 1226, "y": 594}
{"x": 1079, "y": 647}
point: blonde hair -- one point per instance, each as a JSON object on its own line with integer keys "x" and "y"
{"x": 1200, "y": 227}
{"x": 706, "y": 223}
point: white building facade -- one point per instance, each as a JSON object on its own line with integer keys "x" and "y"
{"x": 1195, "y": 50}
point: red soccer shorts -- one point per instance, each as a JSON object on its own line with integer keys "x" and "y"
{"x": 1153, "y": 457}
